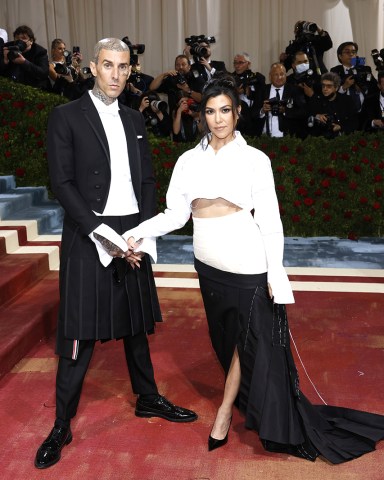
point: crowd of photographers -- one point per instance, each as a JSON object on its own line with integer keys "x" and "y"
{"x": 301, "y": 97}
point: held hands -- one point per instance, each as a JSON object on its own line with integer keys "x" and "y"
{"x": 131, "y": 256}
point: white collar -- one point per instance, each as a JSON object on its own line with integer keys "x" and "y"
{"x": 238, "y": 140}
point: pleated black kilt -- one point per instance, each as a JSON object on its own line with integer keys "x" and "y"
{"x": 241, "y": 314}
{"x": 94, "y": 305}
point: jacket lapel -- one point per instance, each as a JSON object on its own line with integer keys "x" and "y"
{"x": 93, "y": 118}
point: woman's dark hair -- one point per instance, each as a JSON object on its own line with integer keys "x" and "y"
{"x": 224, "y": 84}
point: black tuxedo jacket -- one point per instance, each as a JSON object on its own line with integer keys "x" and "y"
{"x": 371, "y": 111}
{"x": 371, "y": 85}
{"x": 79, "y": 161}
{"x": 293, "y": 122}
{"x": 219, "y": 66}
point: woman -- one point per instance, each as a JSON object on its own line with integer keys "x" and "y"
{"x": 65, "y": 74}
{"x": 238, "y": 243}
{"x": 186, "y": 120}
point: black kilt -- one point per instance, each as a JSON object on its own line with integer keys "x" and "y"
{"x": 93, "y": 304}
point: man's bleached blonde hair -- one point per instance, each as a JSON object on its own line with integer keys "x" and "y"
{"x": 109, "y": 44}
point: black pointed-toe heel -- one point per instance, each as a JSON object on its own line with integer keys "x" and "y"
{"x": 214, "y": 443}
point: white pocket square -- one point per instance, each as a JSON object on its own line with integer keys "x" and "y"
{"x": 139, "y": 136}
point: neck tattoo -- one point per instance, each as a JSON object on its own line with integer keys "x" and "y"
{"x": 102, "y": 96}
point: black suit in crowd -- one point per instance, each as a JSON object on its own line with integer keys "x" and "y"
{"x": 367, "y": 87}
{"x": 372, "y": 110}
{"x": 341, "y": 110}
{"x": 293, "y": 121}
{"x": 33, "y": 72}
{"x": 249, "y": 122}
{"x": 218, "y": 65}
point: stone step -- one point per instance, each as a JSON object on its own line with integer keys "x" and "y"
{"x": 19, "y": 273}
{"x": 30, "y": 203}
{"x": 28, "y": 319}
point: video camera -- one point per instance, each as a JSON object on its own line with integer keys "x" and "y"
{"x": 15, "y": 47}
{"x": 276, "y": 103}
{"x": 378, "y": 58}
{"x": 135, "y": 50}
{"x": 197, "y": 51}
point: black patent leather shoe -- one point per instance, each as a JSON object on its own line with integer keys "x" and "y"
{"x": 163, "y": 408}
{"x": 49, "y": 452}
{"x": 214, "y": 443}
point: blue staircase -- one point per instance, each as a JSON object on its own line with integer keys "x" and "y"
{"x": 30, "y": 203}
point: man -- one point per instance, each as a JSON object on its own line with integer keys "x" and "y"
{"x": 101, "y": 172}
{"x": 311, "y": 39}
{"x": 250, "y": 86}
{"x": 373, "y": 109}
{"x": 357, "y": 80}
{"x": 204, "y": 65}
{"x": 178, "y": 83}
{"x": 331, "y": 114}
{"x": 282, "y": 108}
{"x": 29, "y": 64}
{"x": 303, "y": 76}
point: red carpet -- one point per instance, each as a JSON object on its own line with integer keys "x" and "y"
{"x": 340, "y": 337}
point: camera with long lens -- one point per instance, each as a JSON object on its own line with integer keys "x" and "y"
{"x": 275, "y": 104}
{"x": 198, "y": 51}
{"x": 134, "y": 49}
{"x": 378, "y": 58}
{"x": 309, "y": 27}
{"x": 15, "y": 47}
{"x": 156, "y": 103}
{"x": 65, "y": 68}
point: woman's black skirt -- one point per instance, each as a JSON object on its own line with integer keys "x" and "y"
{"x": 241, "y": 315}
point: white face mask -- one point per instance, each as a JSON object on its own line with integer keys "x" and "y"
{"x": 302, "y": 67}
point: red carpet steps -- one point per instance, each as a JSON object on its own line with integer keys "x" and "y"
{"x": 28, "y": 289}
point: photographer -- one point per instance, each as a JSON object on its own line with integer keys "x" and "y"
{"x": 23, "y": 60}
{"x": 250, "y": 87}
{"x": 357, "y": 80}
{"x": 331, "y": 114}
{"x": 312, "y": 40}
{"x": 303, "y": 76}
{"x": 186, "y": 121}
{"x": 179, "y": 81}
{"x": 138, "y": 82}
{"x": 282, "y": 108}
{"x": 198, "y": 50}
{"x": 155, "y": 112}
{"x": 372, "y": 113}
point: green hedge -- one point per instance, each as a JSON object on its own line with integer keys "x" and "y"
{"x": 324, "y": 187}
